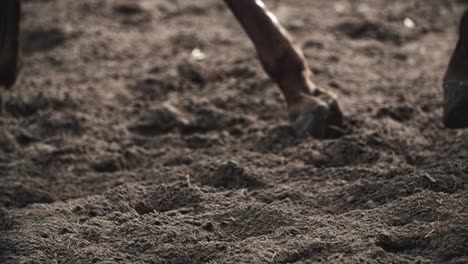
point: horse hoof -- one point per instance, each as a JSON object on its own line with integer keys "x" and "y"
{"x": 456, "y": 104}
{"x": 312, "y": 122}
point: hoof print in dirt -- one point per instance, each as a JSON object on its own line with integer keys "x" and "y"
{"x": 232, "y": 176}
{"x": 128, "y": 9}
{"x": 108, "y": 164}
{"x": 131, "y": 13}
{"x": 160, "y": 120}
{"x": 400, "y": 113}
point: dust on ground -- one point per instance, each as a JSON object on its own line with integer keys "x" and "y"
{"x": 148, "y": 133}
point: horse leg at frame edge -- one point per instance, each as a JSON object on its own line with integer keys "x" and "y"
{"x": 10, "y": 52}
{"x": 455, "y": 82}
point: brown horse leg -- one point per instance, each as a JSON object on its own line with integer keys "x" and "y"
{"x": 10, "y": 57}
{"x": 456, "y": 82}
{"x": 310, "y": 109}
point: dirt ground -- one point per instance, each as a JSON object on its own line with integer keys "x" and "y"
{"x": 146, "y": 132}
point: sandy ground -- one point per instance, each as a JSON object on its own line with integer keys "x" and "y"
{"x": 148, "y": 133}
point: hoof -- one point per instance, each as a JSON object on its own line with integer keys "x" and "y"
{"x": 456, "y": 104}
{"x": 335, "y": 115}
{"x": 313, "y": 122}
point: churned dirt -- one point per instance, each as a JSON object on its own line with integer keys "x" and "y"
{"x": 147, "y": 132}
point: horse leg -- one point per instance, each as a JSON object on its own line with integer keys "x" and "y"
{"x": 10, "y": 56}
{"x": 456, "y": 82}
{"x": 311, "y": 110}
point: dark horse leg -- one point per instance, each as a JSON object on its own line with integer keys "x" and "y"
{"x": 10, "y": 56}
{"x": 456, "y": 82}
